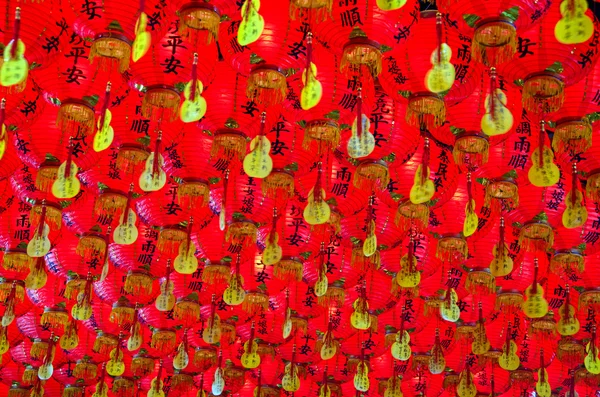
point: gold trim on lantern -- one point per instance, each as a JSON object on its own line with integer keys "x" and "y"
{"x": 592, "y": 187}
{"x": 46, "y": 175}
{"x": 195, "y": 17}
{"x": 76, "y": 111}
{"x": 322, "y": 131}
{"x": 452, "y": 249}
{"x": 255, "y": 301}
{"x": 509, "y": 301}
{"x": 109, "y": 202}
{"x": 299, "y": 323}
{"x": 363, "y": 263}
{"x": 432, "y": 305}
{"x": 130, "y": 156}
{"x": 494, "y": 41}
{"x": 234, "y": 378}
{"x": 522, "y": 377}
{"x": 85, "y": 370}
{"x": 371, "y": 174}
{"x": 570, "y": 351}
{"x": 504, "y": 189}
{"x": 279, "y": 184}
{"x": 16, "y": 88}
{"x": 124, "y": 387}
{"x": 187, "y": 311}
{"x": 90, "y": 245}
{"x": 30, "y": 376}
{"x": 568, "y": 261}
{"x": 265, "y": 349}
{"x": 335, "y": 295}
{"x": 228, "y": 144}
{"x": 267, "y": 85}
{"x": 425, "y": 109}
{"x": 335, "y": 221}
{"x": 536, "y": 236}
{"x": 360, "y": 51}
{"x": 205, "y": 357}
{"x": 182, "y": 383}
{"x": 471, "y": 148}
{"x": 104, "y": 343}
{"x": 109, "y": 47}
{"x": 75, "y": 284}
{"x": 215, "y": 273}
{"x": 170, "y": 237}
{"x": 289, "y": 269}
{"x": 410, "y": 214}
{"x": 72, "y": 391}
{"x": 161, "y": 102}
{"x": 480, "y": 281}
{"x": 241, "y": 233}
{"x": 572, "y": 134}
{"x": 228, "y": 333}
{"x": 17, "y": 260}
{"x": 266, "y": 391}
{"x": 39, "y": 349}
{"x": 164, "y": 340}
{"x": 122, "y": 312}
{"x": 53, "y": 214}
{"x": 317, "y": 9}
{"x": 55, "y": 317}
{"x": 464, "y": 332}
{"x": 142, "y": 365}
{"x": 6, "y": 287}
{"x": 420, "y": 360}
{"x": 138, "y": 283}
{"x": 450, "y": 382}
{"x": 589, "y": 297}
{"x": 193, "y": 193}
{"x": 543, "y": 327}
{"x": 543, "y": 93}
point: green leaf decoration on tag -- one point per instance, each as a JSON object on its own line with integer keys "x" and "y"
{"x": 456, "y": 131}
{"x": 96, "y": 228}
{"x": 306, "y": 254}
{"x": 592, "y": 117}
{"x": 51, "y": 158}
{"x": 115, "y": 25}
{"x": 396, "y": 196}
{"x": 333, "y": 115}
{"x": 541, "y": 217}
{"x": 471, "y": 19}
{"x": 291, "y": 167}
{"x": 255, "y": 59}
{"x": 331, "y": 201}
{"x": 556, "y": 67}
{"x": 512, "y": 14}
{"x": 231, "y": 123}
{"x": 144, "y": 141}
{"x": 390, "y": 158}
{"x": 180, "y": 86}
{"x": 91, "y": 99}
{"x": 213, "y": 180}
{"x": 404, "y": 93}
{"x": 102, "y": 186}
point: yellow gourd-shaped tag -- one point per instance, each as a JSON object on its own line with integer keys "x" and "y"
{"x": 437, "y": 362}
{"x": 440, "y": 78}
{"x": 449, "y": 309}
{"x": 82, "y": 310}
{"x": 394, "y": 388}
{"x": 134, "y": 341}
{"x": 324, "y": 391}
{"x": 234, "y": 294}
{"x": 273, "y": 251}
{"x": 15, "y": 69}
{"x": 181, "y": 359}
{"x": 321, "y": 285}
{"x": 287, "y": 324}
{"x": 316, "y": 213}
{"x": 574, "y": 27}
{"x": 290, "y": 382}
{"x": 408, "y": 276}
{"x": 252, "y": 24}
{"x": 543, "y": 388}
{"x": 329, "y": 349}
{"x": 592, "y": 361}
{"x": 105, "y": 134}
{"x": 401, "y": 347}
{"x": 363, "y": 145}
{"x": 143, "y": 39}
{"x": 361, "y": 377}
{"x": 576, "y": 214}
{"x": 218, "y": 384}
{"x": 68, "y": 341}
{"x": 509, "y": 360}
{"x": 370, "y": 243}
{"x": 66, "y": 187}
{"x": 422, "y": 191}
{"x": 212, "y": 333}
{"x": 115, "y": 366}
{"x": 258, "y": 163}
{"x": 165, "y": 301}
{"x": 466, "y": 387}
{"x": 471, "y": 220}
{"x": 186, "y": 261}
{"x": 389, "y": 5}
{"x": 502, "y": 264}
{"x": 312, "y": 92}
{"x": 546, "y": 175}
{"x": 3, "y": 140}
{"x": 45, "y": 371}
{"x": 4, "y": 345}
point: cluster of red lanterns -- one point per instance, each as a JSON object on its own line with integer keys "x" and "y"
{"x": 303, "y": 197}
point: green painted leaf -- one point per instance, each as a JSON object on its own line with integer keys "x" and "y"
{"x": 207, "y": 132}
{"x": 471, "y": 19}
{"x": 354, "y": 240}
{"x": 512, "y": 13}
{"x": 581, "y": 247}
{"x": 144, "y": 141}
{"x": 385, "y": 48}
{"x": 291, "y": 167}
{"x": 390, "y": 158}
{"x": 64, "y": 203}
{"x": 556, "y": 67}
{"x": 62, "y": 305}
{"x": 481, "y": 181}
{"x": 96, "y": 228}
{"x": 238, "y": 216}
{"x": 91, "y": 99}
{"x": 396, "y": 196}
{"x": 519, "y": 82}
{"x": 593, "y": 117}
{"x": 51, "y": 158}
{"x": 255, "y": 59}
{"x": 231, "y": 123}
{"x": 102, "y": 186}
{"x": 331, "y": 201}
{"x": 306, "y": 254}
{"x": 333, "y": 115}
{"x": 213, "y": 180}
{"x": 456, "y": 131}
{"x": 511, "y": 174}
{"x": 517, "y": 225}
{"x": 541, "y": 217}
{"x": 12, "y": 127}
{"x": 226, "y": 259}
{"x": 404, "y": 93}
{"x": 180, "y": 86}
{"x": 34, "y": 65}
{"x": 115, "y": 25}
{"x": 301, "y": 123}
{"x": 382, "y": 247}
{"x": 136, "y": 195}
{"x": 345, "y": 126}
